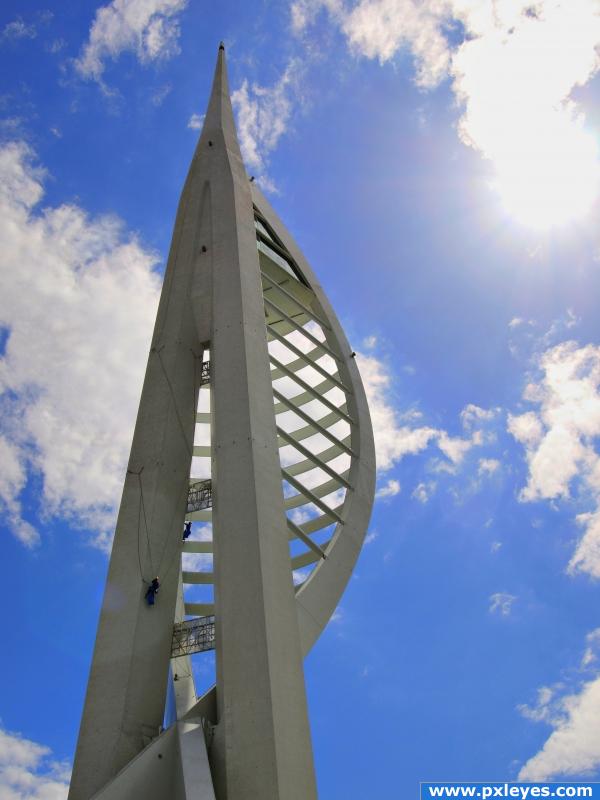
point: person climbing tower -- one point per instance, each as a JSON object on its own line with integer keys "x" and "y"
{"x": 152, "y": 591}
{"x": 187, "y": 530}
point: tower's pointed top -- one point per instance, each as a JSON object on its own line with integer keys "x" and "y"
{"x": 219, "y": 124}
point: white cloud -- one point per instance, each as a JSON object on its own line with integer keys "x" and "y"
{"x": 392, "y": 440}
{"x": 573, "y": 747}
{"x": 27, "y": 771}
{"x": 390, "y": 489}
{"x": 148, "y": 28}
{"x": 473, "y": 415}
{"x": 195, "y": 122}
{"x": 370, "y": 342}
{"x": 513, "y": 70}
{"x": 395, "y": 437}
{"x": 72, "y": 369}
{"x": 379, "y": 28}
{"x": 487, "y": 466}
{"x": 593, "y": 642}
{"x": 495, "y": 547}
{"x": 559, "y": 439}
{"x": 526, "y": 428}
{"x": 159, "y": 96}
{"x": 501, "y": 603}
{"x": 455, "y": 448}
{"x": 263, "y": 116}
{"x": 423, "y": 491}
{"x": 370, "y": 537}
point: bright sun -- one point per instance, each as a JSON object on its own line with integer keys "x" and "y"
{"x": 550, "y": 176}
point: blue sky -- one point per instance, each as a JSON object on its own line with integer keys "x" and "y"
{"x": 437, "y": 163}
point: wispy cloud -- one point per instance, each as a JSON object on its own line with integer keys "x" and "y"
{"x": 488, "y": 466}
{"x": 18, "y": 29}
{"x": 159, "y": 96}
{"x": 501, "y": 603}
{"x": 27, "y": 770}
{"x": 63, "y": 422}
{"x": 150, "y": 29}
{"x": 195, "y": 122}
{"x": 423, "y": 491}
{"x": 263, "y": 116}
{"x": 370, "y": 537}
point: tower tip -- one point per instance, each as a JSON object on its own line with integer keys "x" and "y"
{"x": 221, "y": 46}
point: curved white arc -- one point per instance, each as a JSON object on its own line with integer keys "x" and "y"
{"x": 320, "y": 594}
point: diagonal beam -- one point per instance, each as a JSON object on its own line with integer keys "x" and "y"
{"x": 304, "y": 397}
{"x": 310, "y": 389}
{"x": 299, "y": 363}
{"x": 304, "y": 559}
{"x": 318, "y": 523}
{"x": 285, "y": 292}
{"x": 310, "y": 496}
{"x": 306, "y": 539}
{"x": 318, "y": 428}
{"x": 315, "y": 459}
{"x": 325, "y": 455}
{"x": 299, "y": 434}
{"x": 322, "y": 490}
{"x": 308, "y": 361}
{"x": 302, "y": 330}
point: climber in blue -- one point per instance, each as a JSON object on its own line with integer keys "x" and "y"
{"x": 187, "y": 530}
{"x": 152, "y": 591}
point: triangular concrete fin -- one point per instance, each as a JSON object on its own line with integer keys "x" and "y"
{"x": 152, "y": 774}
{"x": 175, "y": 766}
{"x": 205, "y": 708}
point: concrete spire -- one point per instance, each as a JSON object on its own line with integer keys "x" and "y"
{"x": 216, "y": 296}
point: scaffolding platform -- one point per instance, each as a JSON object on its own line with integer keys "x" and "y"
{"x": 199, "y": 496}
{"x": 193, "y": 636}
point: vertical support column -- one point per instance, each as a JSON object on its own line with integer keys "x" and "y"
{"x": 262, "y": 748}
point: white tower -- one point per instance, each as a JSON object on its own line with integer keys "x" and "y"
{"x": 242, "y": 319}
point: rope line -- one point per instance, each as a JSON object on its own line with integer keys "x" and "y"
{"x": 143, "y": 505}
{"x": 142, "y": 512}
{"x": 172, "y": 391}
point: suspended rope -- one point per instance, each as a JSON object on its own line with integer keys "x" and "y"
{"x": 158, "y": 351}
{"x": 142, "y": 513}
{"x": 179, "y": 507}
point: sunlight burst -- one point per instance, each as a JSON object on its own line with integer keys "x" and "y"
{"x": 550, "y": 175}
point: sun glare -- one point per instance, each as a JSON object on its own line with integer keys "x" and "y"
{"x": 550, "y": 177}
